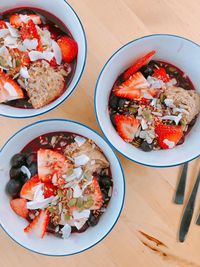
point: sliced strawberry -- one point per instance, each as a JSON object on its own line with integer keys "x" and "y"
{"x": 29, "y": 31}
{"x": 134, "y": 88}
{"x": 27, "y": 190}
{"x": 17, "y": 20}
{"x": 138, "y": 65}
{"x": 39, "y": 224}
{"x": 161, "y": 75}
{"x": 69, "y": 48}
{"x": 168, "y": 134}
{"x": 33, "y": 224}
{"x": 49, "y": 190}
{"x": 126, "y": 126}
{"x": 94, "y": 191}
{"x": 3, "y": 25}
{"x": 19, "y": 207}
{"x": 44, "y": 223}
{"x": 49, "y": 163}
{"x": 9, "y": 89}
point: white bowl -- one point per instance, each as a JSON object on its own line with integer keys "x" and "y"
{"x": 50, "y": 245}
{"x": 177, "y": 50}
{"x": 62, "y": 10}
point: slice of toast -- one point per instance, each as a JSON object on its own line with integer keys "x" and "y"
{"x": 45, "y": 83}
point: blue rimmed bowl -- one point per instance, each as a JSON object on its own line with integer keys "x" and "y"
{"x": 177, "y": 50}
{"x": 50, "y": 245}
{"x": 62, "y": 10}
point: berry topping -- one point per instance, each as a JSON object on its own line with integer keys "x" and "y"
{"x": 126, "y": 126}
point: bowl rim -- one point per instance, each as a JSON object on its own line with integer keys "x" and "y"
{"x": 96, "y": 89}
{"x": 76, "y": 83}
{"x": 123, "y": 178}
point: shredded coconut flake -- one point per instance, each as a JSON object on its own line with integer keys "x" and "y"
{"x": 170, "y": 144}
{"x": 81, "y": 160}
{"x": 79, "y": 140}
{"x": 26, "y": 171}
{"x": 66, "y": 231}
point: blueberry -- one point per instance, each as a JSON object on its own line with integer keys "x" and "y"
{"x": 147, "y": 70}
{"x": 18, "y": 160}
{"x": 114, "y": 100}
{"x": 31, "y": 158}
{"x": 106, "y": 181}
{"x": 13, "y": 187}
{"x": 146, "y": 147}
{"x": 33, "y": 169}
{"x": 16, "y": 173}
{"x": 122, "y": 102}
{"x": 92, "y": 221}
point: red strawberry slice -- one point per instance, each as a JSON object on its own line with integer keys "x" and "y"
{"x": 27, "y": 190}
{"x": 167, "y": 134}
{"x": 9, "y": 89}
{"x": 19, "y": 207}
{"x": 17, "y": 21}
{"x": 94, "y": 190}
{"x": 3, "y": 25}
{"x": 49, "y": 163}
{"x": 69, "y": 48}
{"x": 134, "y": 88}
{"x": 45, "y": 218}
{"x": 161, "y": 75}
{"x": 126, "y": 126}
{"x": 39, "y": 224}
{"x": 138, "y": 65}
{"x": 49, "y": 190}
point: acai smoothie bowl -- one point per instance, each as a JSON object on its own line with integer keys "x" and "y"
{"x": 42, "y": 56}
{"x": 62, "y": 190}
{"x": 147, "y": 100}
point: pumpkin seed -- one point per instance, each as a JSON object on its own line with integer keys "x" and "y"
{"x": 132, "y": 110}
{"x": 67, "y": 217}
{"x": 51, "y": 209}
{"x": 79, "y": 202}
{"x": 162, "y": 98}
{"x": 69, "y": 193}
{"x": 72, "y": 202}
{"x": 89, "y": 203}
{"x": 70, "y": 172}
{"x": 146, "y": 113}
{"x": 88, "y": 176}
{"x": 183, "y": 122}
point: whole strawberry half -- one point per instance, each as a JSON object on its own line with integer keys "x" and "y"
{"x": 168, "y": 135}
{"x": 69, "y": 48}
{"x": 126, "y": 126}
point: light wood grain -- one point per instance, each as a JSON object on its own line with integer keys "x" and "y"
{"x": 148, "y": 207}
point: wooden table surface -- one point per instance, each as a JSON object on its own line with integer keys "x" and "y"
{"x": 148, "y": 207}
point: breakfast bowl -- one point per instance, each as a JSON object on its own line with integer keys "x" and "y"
{"x": 57, "y": 209}
{"x": 142, "y": 97}
{"x": 42, "y": 56}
